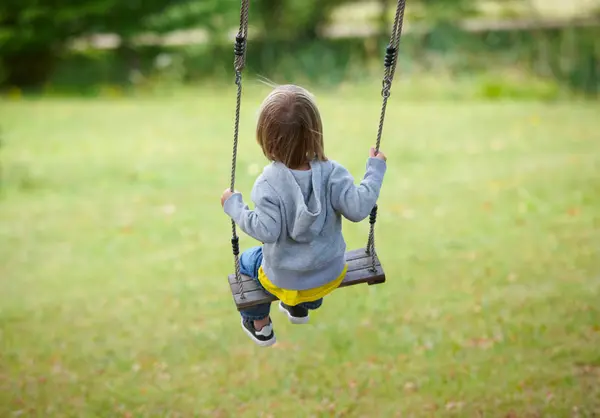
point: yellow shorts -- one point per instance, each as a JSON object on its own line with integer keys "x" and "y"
{"x": 294, "y": 297}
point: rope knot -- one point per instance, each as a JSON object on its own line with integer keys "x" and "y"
{"x": 373, "y": 215}
{"x": 235, "y": 245}
{"x": 240, "y": 45}
{"x": 239, "y": 49}
{"x": 390, "y": 56}
{"x": 387, "y": 86}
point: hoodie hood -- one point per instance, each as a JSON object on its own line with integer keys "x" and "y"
{"x": 303, "y": 198}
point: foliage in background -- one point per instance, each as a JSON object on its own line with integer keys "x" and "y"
{"x": 289, "y": 41}
{"x": 504, "y": 62}
{"x": 300, "y": 20}
{"x": 33, "y": 33}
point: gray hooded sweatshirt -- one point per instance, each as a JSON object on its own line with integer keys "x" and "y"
{"x": 298, "y": 217}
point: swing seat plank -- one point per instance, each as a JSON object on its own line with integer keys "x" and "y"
{"x": 359, "y": 271}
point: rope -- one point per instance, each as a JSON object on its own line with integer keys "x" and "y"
{"x": 239, "y": 64}
{"x": 242, "y": 37}
{"x": 391, "y": 59}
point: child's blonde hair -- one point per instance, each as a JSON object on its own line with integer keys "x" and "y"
{"x": 289, "y": 127}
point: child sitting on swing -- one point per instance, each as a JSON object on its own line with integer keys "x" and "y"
{"x": 299, "y": 200}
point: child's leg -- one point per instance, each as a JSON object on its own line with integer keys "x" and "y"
{"x": 312, "y": 305}
{"x": 259, "y": 314}
{"x": 255, "y": 320}
{"x": 299, "y": 314}
{"x": 250, "y": 262}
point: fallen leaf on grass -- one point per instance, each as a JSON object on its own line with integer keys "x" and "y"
{"x": 428, "y": 346}
{"x": 372, "y": 360}
{"x": 450, "y": 406}
{"x": 589, "y": 370}
{"x": 431, "y": 407}
{"x": 57, "y": 368}
{"x": 410, "y": 387}
{"x": 483, "y": 343}
{"x": 164, "y": 376}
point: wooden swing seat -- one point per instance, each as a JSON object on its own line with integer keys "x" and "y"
{"x": 359, "y": 271}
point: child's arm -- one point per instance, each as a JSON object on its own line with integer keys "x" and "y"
{"x": 355, "y": 202}
{"x": 264, "y": 222}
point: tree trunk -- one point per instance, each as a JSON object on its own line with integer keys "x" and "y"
{"x": 27, "y": 68}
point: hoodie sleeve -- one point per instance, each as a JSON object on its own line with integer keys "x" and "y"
{"x": 355, "y": 202}
{"x": 264, "y": 222}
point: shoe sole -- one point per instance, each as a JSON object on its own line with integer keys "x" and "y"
{"x": 267, "y": 343}
{"x": 293, "y": 319}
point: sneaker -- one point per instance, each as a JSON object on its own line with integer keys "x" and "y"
{"x": 296, "y": 314}
{"x": 265, "y": 337}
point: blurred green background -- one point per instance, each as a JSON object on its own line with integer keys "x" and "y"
{"x": 116, "y": 122}
{"x": 515, "y": 48}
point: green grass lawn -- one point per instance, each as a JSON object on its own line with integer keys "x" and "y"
{"x": 114, "y": 253}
